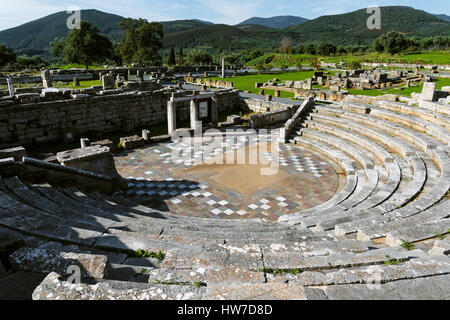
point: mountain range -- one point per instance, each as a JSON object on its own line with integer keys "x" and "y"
{"x": 266, "y": 33}
{"x": 279, "y": 22}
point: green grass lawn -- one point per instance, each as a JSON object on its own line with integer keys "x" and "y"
{"x": 277, "y": 60}
{"x": 440, "y": 82}
{"x": 247, "y": 83}
{"x": 74, "y": 65}
{"x": 83, "y": 84}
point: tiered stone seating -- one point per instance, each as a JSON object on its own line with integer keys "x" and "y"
{"x": 351, "y": 127}
{"x": 355, "y": 245}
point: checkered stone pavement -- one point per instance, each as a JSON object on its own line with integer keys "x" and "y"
{"x": 154, "y": 179}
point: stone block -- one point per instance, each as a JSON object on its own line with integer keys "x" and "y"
{"x": 108, "y": 82}
{"x": 95, "y": 159}
{"x": 132, "y": 142}
{"x": 428, "y": 92}
{"x": 46, "y": 261}
{"x": 16, "y": 153}
{"x": 234, "y": 119}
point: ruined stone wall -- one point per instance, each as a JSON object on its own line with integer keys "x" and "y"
{"x": 257, "y": 105}
{"x": 52, "y": 121}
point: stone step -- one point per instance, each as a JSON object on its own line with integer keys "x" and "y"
{"x": 434, "y": 107}
{"x": 404, "y": 149}
{"x": 280, "y": 260}
{"x": 425, "y": 115}
{"x": 367, "y": 189}
{"x": 367, "y": 231}
{"x": 429, "y": 288}
{"x": 20, "y": 217}
{"x": 373, "y": 275}
{"x": 413, "y": 188}
{"x": 418, "y": 232}
{"x": 434, "y": 195}
{"x": 360, "y": 157}
{"x": 46, "y": 261}
{"x": 432, "y": 130}
{"x": 199, "y": 237}
{"x": 353, "y": 138}
{"x": 415, "y": 138}
{"x": 199, "y": 224}
{"x": 211, "y": 225}
{"x": 208, "y": 276}
{"x": 214, "y": 257}
{"x": 321, "y": 217}
{"x": 73, "y": 216}
{"x": 54, "y": 288}
{"x": 259, "y": 291}
{"x": 388, "y": 189}
{"x": 64, "y": 201}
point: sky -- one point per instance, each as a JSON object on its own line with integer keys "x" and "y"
{"x": 16, "y": 12}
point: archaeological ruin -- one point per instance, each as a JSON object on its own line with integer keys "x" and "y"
{"x": 347, "y": 196}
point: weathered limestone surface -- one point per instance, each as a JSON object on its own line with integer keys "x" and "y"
{"x": 254, "y": 291}
{"x": 434, "y": 288}
{"x": 46, "y": 261}
{"x": 52, "y": 288}
{"x": 95, "y": 159}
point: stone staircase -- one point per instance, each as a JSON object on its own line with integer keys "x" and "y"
{"x": 383, "y": 236}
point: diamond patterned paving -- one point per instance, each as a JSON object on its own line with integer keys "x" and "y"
{"x": 184, "y": 187}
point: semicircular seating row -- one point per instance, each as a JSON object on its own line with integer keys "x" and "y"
{"x": 397, "y": 166}
{"x": 395, "y": 157}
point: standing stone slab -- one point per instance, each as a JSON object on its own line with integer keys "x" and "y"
{"x": 10, "y": 83}
{"x": 428, "y": 92}
{"x": 108, "y": 82}
{"x": 46, "y": 79}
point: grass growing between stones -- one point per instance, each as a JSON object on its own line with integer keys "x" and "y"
{"x": 282, "y": 272}
{"x": 407, "y": 245}
{"x": 443, "y": 235}
{"x": 172, "y": 282}
{"x": 393, "y": 262}
{"x": 141, "y": 253}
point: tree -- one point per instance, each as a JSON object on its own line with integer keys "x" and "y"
{"x": 116, "y": 56}
{"x": 180, "y": 60}
{"x": 171, "y": 61}
{"x": 7, "y": 55}
{"x": 326, "y": 49}
{"x": 310, "y": 49}
{"x": 57, "y": 46}
{"x": 354, "y": 65}
{"x": 300, "y": 48}
{"x": 197, "y": 57}
{"x": 86, "y": 46}
{"x": 141, "y": 41}
{"x": 392, "y": 42}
